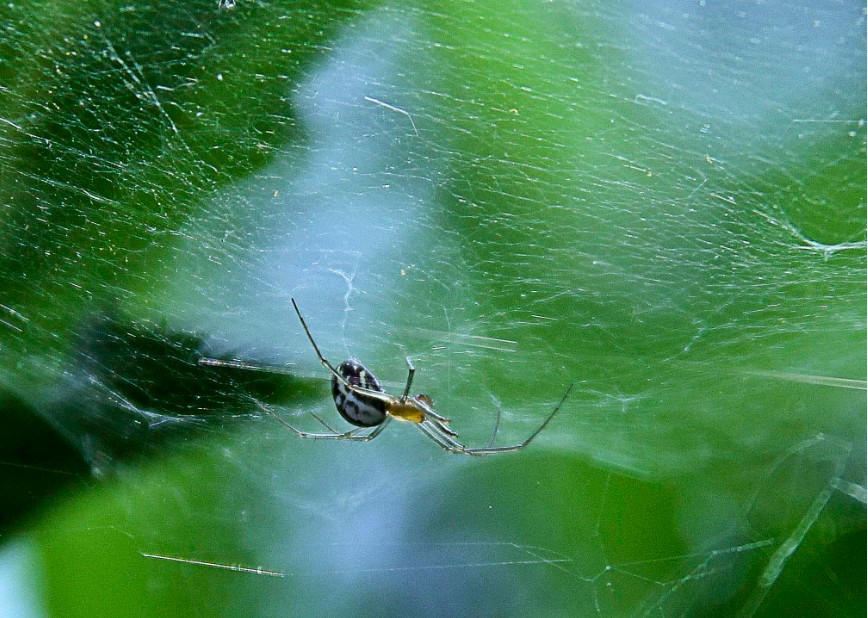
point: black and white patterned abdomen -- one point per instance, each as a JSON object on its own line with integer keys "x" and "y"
{"x": 357, "y": 408}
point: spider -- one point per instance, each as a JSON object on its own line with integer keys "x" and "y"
{"x": 362, "y": 401}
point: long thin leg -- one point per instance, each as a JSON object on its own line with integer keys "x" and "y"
{"x": 496, "y": 423}
{"x": 322, "y": 359}
{"x": 442, "y": 427}
{"x": 412, "y": 371}
{"x": 442, "y": 440}
{"x": 234, "y": 364}
{"x": 352, "y": 434}
{"x": 442, "y": 422}
{"x": 358, "y": 389}
{"x": 548, "y": 419}
{"x": 448, "y": 443}
{"x": 324, "y": 424}
{"x": 330, "y": 367}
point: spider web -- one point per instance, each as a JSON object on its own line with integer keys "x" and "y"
{"x": 664, "y": 206}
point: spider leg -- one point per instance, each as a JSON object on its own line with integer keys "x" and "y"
{"x": 429, "y": 411}
{"x": 443, "y": 440}
{"x": 412, "y": 371}
{"x": 496, "y": 424}
{"x": 322, "y": 359}
{"x": 450, "y": 444}
{"x": 548, "y": 419}
{"x": 323, "y": 423}
{"x": 352, "y": 435}
{"x": 440, "y": 418}
{"x": 441, "y": 427}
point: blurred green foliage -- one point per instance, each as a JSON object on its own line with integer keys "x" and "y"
{"x": 665, "y": 207}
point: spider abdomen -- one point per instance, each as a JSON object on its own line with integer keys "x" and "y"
{"x": 358, "y": 408}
